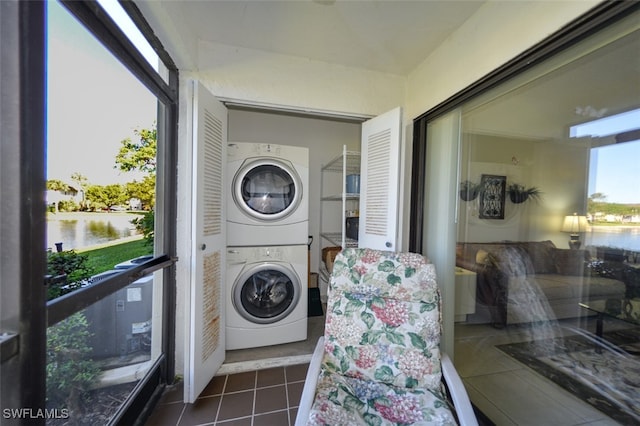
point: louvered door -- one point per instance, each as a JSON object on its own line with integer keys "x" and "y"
{"x": 379, "y": 182}
{"x": 206, "y": 316}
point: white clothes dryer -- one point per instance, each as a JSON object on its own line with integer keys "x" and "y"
{"x": 268, "y": 200}
{"x": 267, "y": 296}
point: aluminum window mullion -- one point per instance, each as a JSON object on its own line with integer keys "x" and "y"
{"x": 137, "y": 17}
{"x": 167, "y": 158}
{"x": 68, "y": 304}
{"x": 22, "y": 130}
{"x": 107, "y": 31}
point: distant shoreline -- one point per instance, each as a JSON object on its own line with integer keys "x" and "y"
{"x": 78, "y": 215}
{"x": 616, "y": 226}
{"x": 111, "y": 243}
{"x": 76, "y": 227}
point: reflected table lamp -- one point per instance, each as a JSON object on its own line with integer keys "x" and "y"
{"x": 574, "y": 225}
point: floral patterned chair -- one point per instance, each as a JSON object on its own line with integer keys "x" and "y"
{"x": 379, "y": 362}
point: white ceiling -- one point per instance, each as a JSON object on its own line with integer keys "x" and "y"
{"x": 394, "y": 36}
{"x": 390, "y": 36}
{"x": 599, "y": 84}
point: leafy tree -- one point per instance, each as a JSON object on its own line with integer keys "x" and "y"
{"x": 57, "y": 200}
{"x": 106, "y": 196}
{"x": 75, "y": 266}
{"x": 82, "y": 182}
{"x": 54, "y": 199}
{"x": 597, "y": 204}
{"x": 68, "y": 206}
{"x": 145, "y": 224}
{"x": 145, "y": 191}
{"x": 139, "y": 155}
{"x": 57, "y": 185}
{"x": 70, "y": 371}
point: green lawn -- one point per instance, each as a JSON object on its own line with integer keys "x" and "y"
{"x": 103, "y": 259}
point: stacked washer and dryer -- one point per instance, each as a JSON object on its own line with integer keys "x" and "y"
{"x": 267, "y": 234}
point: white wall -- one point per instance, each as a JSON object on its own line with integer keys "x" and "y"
{"x": 561, "y": 170}
{"x": 558, "y": 169}
{"x": 498, "y": 32}
{"x": 274, "y": 79}
{"x": 503, "y": 156}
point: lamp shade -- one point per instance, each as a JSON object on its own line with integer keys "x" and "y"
{"x": 574, "y": 224}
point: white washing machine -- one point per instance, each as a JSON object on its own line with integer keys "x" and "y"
{"x": 268, "y": 200}
{"x": 267, "y": 296}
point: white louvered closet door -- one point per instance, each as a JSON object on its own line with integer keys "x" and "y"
{"x": 379, "y": 181}
{"x": 207, "y": 326}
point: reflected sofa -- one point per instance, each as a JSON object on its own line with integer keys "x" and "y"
{"x": 519, "y": 282}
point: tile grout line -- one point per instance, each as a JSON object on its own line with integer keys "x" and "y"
{"x": 255, "y": 392}
{"x": 254, "y": 389}
{"x": 286, "y": 393}
{"x": 184, "y": 407}
{"x": 224, "y": 387}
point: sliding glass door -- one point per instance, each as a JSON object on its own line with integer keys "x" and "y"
{"x": 440, "y": 228}
{"x": 543, "y": 202}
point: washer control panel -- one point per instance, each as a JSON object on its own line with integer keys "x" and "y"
{"x": 269, "y": 253}
{"x": 255, "y": 254}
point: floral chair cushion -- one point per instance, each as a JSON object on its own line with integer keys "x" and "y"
{"x": 382, "y": 338}
{"x": 348, "y": 401}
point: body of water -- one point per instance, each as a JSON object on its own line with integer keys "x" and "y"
{"x": 81, "y": 230}
{"x": 624, "y": 237}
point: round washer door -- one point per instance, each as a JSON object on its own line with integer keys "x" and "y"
{"x": 267, "y": 189}
{"x": 266, "y": 293}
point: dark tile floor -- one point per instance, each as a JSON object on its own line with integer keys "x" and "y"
{"x": 255, "y": 398}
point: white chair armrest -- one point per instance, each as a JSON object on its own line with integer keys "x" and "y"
{"x": 461, "y": 401}
{"x": 309, "y": 389}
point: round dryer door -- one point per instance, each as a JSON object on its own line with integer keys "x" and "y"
{"x": 267, "y": 189}
{"x": 266, "y": 293}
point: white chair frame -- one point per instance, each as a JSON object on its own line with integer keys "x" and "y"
{"x": 457, "y": 391}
